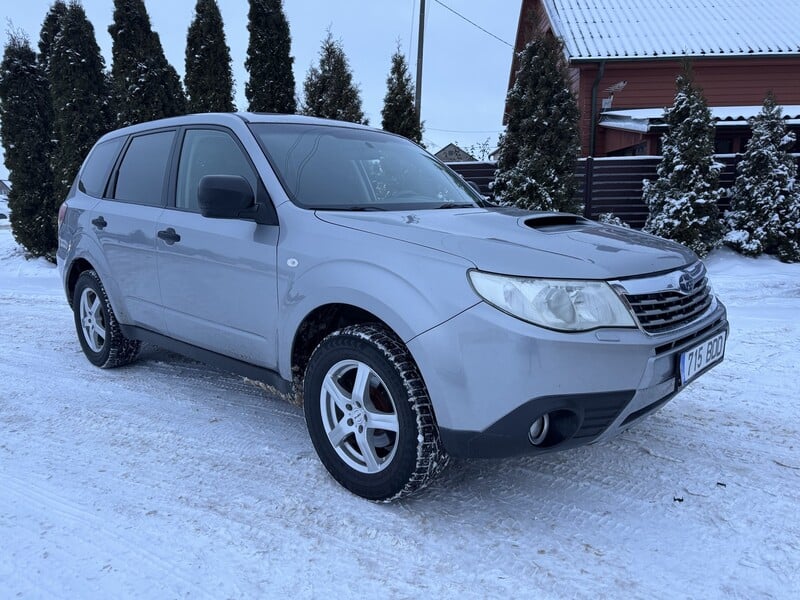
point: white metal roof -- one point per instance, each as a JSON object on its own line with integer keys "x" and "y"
{"x": 631, "y": 29}
{"x": 644, "y": 119}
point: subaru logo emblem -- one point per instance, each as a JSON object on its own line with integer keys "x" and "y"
{"x": 686, "y": 283}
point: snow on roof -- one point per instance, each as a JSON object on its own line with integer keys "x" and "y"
{"x": 633, "y": 29}
{"x": 644, "y": 119}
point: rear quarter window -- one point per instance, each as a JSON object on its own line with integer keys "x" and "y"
{"x": 94, "y": 175}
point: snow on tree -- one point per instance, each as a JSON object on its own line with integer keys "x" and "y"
{"x": 611, "y": 219}
{"x": 683, "y": 200}
{"x": 145, "y": 85}
{"x": 25, "y": 128}
{"x": 329, "y": 89}
{"x": 537, "y": 153}
{"x": 209, "y": 79}
{"x": 271, "y": 87}
{"x": 765, "y": 204}
{"x": 399, "y": 113}
{"x": 79, "y": 93}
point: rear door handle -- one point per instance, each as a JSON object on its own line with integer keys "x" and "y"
{"x": 99, "y": 222}
{"x": 169, "y": 235}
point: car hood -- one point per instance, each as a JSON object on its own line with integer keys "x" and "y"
{"x": 517, "y": 242}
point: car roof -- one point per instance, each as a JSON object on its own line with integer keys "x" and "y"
{"x": 228, "y": 119}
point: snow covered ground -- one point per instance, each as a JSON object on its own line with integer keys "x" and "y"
{"x": 167, "y": 479}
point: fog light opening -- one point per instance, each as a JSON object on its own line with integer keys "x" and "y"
{"x": 539, "y": 430}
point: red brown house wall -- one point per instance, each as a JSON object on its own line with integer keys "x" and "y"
{"x": 651, "y": 84}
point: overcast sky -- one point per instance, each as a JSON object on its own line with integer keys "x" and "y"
{"x": 466, "y": 70}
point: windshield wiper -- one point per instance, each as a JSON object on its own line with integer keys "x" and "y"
{"x": 360, "y": 208}
{"x": 363, "y": 208}
{"x": 457, "y": 205}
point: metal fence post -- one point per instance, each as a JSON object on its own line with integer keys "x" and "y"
{"x": 588, "y": 181}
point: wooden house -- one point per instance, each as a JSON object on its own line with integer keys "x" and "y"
{"x": 624, "y": 56}
{"x": 453, "y": 154}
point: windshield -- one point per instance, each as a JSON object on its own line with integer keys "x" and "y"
{"x": 338, "y": 168}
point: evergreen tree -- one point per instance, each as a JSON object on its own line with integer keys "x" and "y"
{"x": 329, "y": 89}
{"x": 399, "y": 113}
{"x": 80, "y": 95}
{"x": 50, "y": 29}
{"x": 145, "y": 85}
{"x": 209, "y": 80}
{"x": 765, "y": 208}
{"x": 683, "y": 200}
{"x": 269, "y": 62}
{"x": 536, "y": 162}
{"x": 25, "y": 127}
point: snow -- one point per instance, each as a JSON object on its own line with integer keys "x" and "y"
{"x": 644, "y": 119}
{"x": 168, "y": 479}
{"x": 629, "y": 29}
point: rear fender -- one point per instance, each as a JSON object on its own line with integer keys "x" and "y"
{"x": 86, "y": 248}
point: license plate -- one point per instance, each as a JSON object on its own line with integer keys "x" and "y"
{"x": 693, "y": 361}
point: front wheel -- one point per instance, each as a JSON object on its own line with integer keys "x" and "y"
{"x": 98, "y": 331}
{"x": 369, "y": 415}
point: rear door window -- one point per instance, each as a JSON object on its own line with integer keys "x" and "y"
{"x": 143, "y": 169}
{"x": 94, "y": 175}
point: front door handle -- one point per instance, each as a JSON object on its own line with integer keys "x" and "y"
{"x": 169, "y": 236}
{"x": 99, "y": 222}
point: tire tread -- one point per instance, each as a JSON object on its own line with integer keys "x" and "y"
{"x": 431, "y": 458}
{"x": 122, "y": 351}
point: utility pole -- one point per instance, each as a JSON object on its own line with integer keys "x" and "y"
{"x": 420, "y": 45}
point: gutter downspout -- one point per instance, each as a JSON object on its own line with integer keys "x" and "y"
{"x": 588, "y": 182}
{"x": 592, "y": 133}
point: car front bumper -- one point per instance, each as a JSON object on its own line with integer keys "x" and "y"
{"x": 490, "y": 376}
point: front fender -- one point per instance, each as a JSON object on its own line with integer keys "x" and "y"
{"x": 412, "y": 290}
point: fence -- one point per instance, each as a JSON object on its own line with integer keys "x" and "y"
{"x": 607, "y": 184}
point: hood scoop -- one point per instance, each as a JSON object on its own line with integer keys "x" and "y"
{"x": 553, "y": 222}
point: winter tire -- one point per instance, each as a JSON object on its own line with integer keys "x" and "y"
{"x": 98, "y": 330}
{"x": 369, "y": 415}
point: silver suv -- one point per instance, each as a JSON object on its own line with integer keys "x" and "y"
{"x": 347, "y": 268}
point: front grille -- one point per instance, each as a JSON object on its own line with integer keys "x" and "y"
{"x": 687, "y": 339}
{"x": 666, "y": 310}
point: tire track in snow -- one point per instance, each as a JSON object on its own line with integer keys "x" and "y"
{"x": 126, "y": 546}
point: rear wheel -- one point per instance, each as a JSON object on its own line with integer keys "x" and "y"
{"x": 98, "y": 330}
{"x": 369, "y": 415}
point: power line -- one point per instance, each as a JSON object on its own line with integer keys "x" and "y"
{"x": 473, "y": 23}
{"x": 463, "y": 130}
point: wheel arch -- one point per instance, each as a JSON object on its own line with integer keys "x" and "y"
{"x": 319, "y": 323}
{"x": 76, "y": 267}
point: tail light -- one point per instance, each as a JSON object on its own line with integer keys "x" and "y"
{"x": 62, "y": 211}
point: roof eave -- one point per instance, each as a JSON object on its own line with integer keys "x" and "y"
{"x": 673, "y": 57}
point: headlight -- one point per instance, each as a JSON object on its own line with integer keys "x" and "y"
{"x": 564, "y": 305}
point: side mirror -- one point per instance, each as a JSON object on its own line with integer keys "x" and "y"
{"x": 474, "y": 186}
{"x": 224, "y": 196}
{"x": 231, "y": 197}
